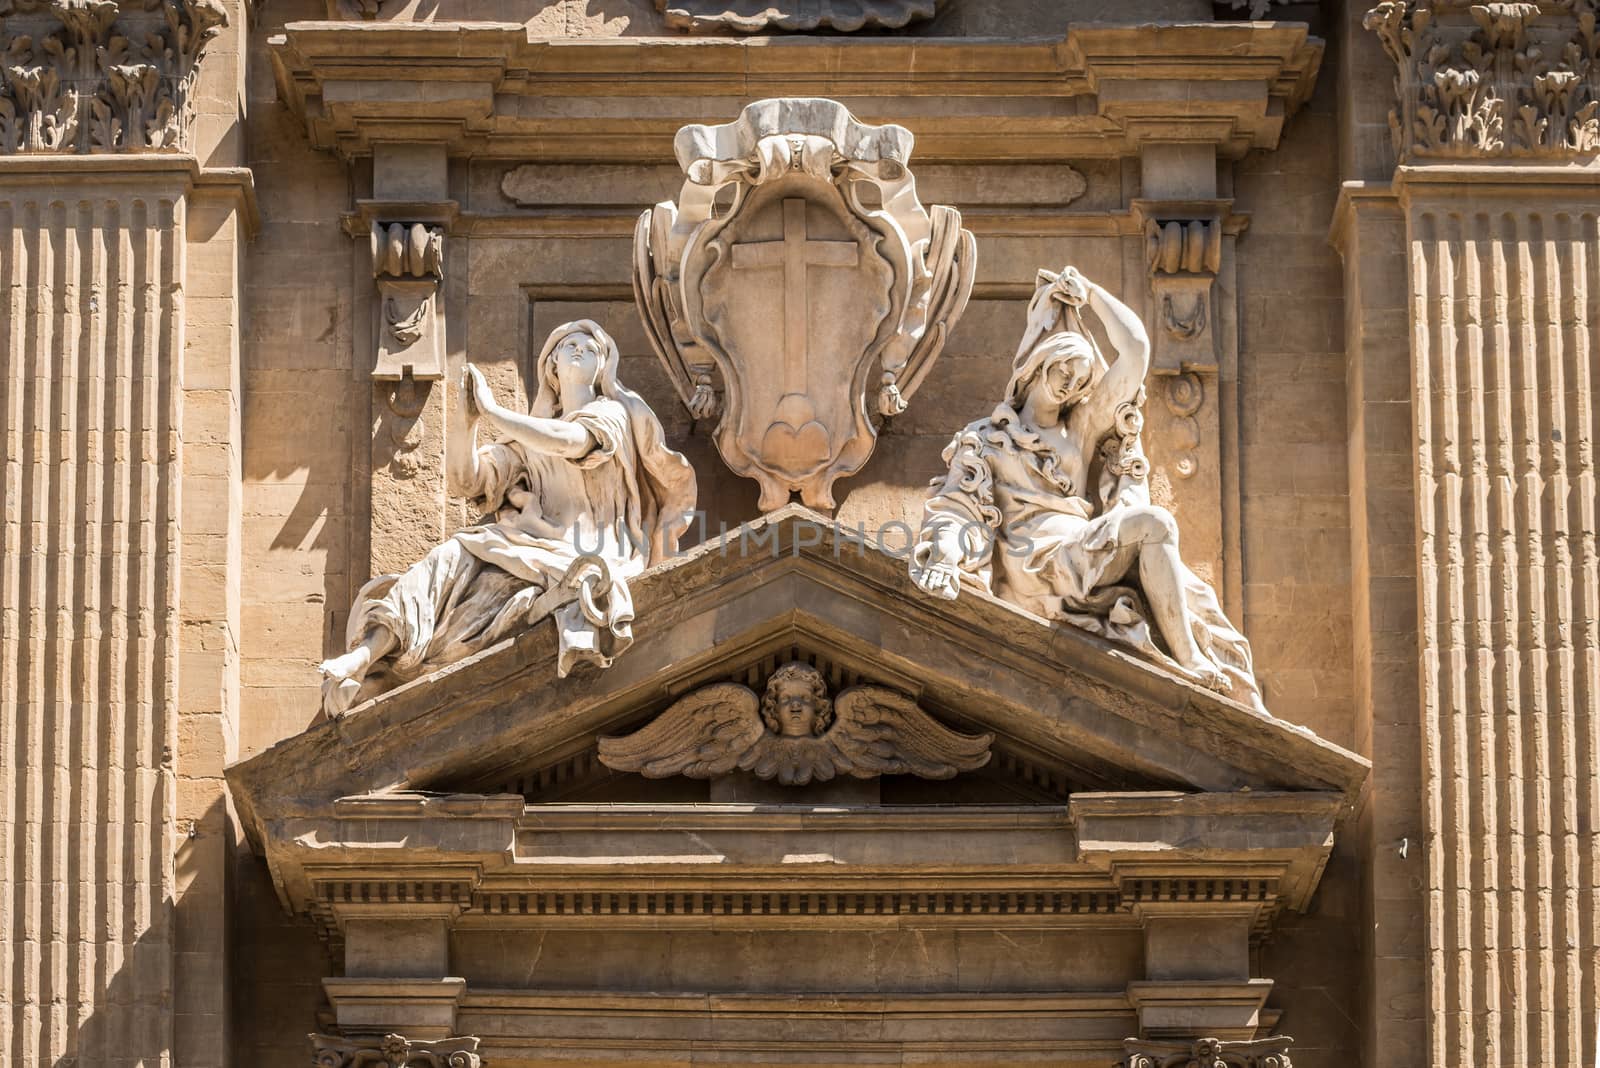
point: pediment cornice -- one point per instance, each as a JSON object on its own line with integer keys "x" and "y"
{"x": 785, "y": 580}
{"x": 489, "y": 90}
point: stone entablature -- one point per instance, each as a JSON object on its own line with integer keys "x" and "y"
{"x": 487, "y": 90}
{"x": 387, "y": 828}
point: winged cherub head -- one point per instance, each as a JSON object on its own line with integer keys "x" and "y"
{"x": 795, "y": 704}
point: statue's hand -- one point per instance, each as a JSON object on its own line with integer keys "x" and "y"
{"x": 475, "y": 389}
{"x": 942, "y": 578}
{"x": 1072, "y": 287}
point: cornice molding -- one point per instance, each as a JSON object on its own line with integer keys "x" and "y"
{"x": 487, "y": 89}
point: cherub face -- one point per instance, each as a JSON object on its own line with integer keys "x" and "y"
{"x": 794, "y": 702}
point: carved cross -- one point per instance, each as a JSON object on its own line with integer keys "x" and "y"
{"x": 794, "y": 253}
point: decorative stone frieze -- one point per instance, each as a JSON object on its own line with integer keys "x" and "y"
{"x": 799, "y": 265}
{"x": 794, "y": 733}
{"x": 393, "y": 1051}
{"x": 1492, "y": 80}
{"x": 80, "y": 76}
{"x": 792, "y": 16}
{"x": 408, "y": 266}
{"x": 1208, "y": 1053}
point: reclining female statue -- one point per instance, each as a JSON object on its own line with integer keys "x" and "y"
{"x": 1046, "y": 503}
{"x": 583, "y": 487}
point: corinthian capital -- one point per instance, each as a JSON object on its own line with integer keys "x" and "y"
{"x": 82, "y": 76}
{"x": 1484, "y": 81}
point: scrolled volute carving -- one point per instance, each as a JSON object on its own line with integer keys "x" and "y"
{"x": 97, "y": 76}
{"x": 1492, "y": 80}
{"x": 792, "y": 16}
{"x": 1207, "y": 1053}
{"x": 393, "y": 1051}
{"x": 794, "y": 733}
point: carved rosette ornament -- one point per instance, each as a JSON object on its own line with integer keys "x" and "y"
{"x": 794, "y": 733}
{"x": 1207, "y": 1053}
{"x": 393, "y": 1051}
{"x": 79, "y": 76}
{"x": 1492, "y": 80}
{"x": 799, "y": 266}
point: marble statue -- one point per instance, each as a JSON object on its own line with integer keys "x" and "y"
{"x": 581, "y": 494}
{"x": 1046, "y": 502}
{"x": 799, "y": 267}
{"x": 794, "y": 733}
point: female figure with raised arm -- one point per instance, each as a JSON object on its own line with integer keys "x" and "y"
{"x": 1046, "y": 502}
{"x": 584, "y": 478}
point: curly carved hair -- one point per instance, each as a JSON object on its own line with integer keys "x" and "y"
{"x": 797, "y": 671}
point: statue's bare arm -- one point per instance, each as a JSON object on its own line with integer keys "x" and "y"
{"x": 552, "y": 437}
{"x": 1122, "y": 380}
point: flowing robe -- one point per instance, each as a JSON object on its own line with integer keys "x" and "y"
{"x": 1028, "y": 535}
{"x": 479, "y": 585}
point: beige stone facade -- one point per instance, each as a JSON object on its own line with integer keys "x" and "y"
{"x": 247, "y": 251}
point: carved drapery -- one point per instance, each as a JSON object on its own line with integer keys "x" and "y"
{"x": 1492, "y": 80}
{"x": 101, "y": 76}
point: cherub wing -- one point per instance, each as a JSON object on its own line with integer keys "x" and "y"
{"x": 952, "y": 257}
{"x": 702, "y": 735}
{"x": 877, "y": 731}
{"x": 792, "y": 761}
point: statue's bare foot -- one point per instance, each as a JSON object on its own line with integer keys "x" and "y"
{"x": 341, "y": 680}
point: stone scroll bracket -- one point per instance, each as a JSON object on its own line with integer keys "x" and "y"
{"x": 403, "y": 275}
{"x": 1186, "y": 248}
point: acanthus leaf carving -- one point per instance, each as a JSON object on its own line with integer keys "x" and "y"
{"x": 394, "y": 1051}
{"x": 1476, "y": 81}
{"x": 1207, "y": 1053}
{"x": 795, "y": 733}
{"x": 99, "y": 76}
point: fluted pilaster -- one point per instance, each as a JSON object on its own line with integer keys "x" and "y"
{"x": 1505, "y": 291}
{"x": 90, "y": 310}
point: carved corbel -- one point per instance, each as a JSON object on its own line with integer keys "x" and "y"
{"x": 1184, "y": 254}
{"x": 408, "y": 265}
{"x": 1207, "y": 1053}
{"x": 393, "y": 1051}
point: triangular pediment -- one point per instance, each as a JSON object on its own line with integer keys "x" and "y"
{"x": 1070, "y": 712}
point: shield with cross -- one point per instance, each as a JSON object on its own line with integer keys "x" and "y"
{"x": 799, "y": 269}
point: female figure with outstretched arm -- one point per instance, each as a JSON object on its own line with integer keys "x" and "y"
{"x": 584, "y": 475}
